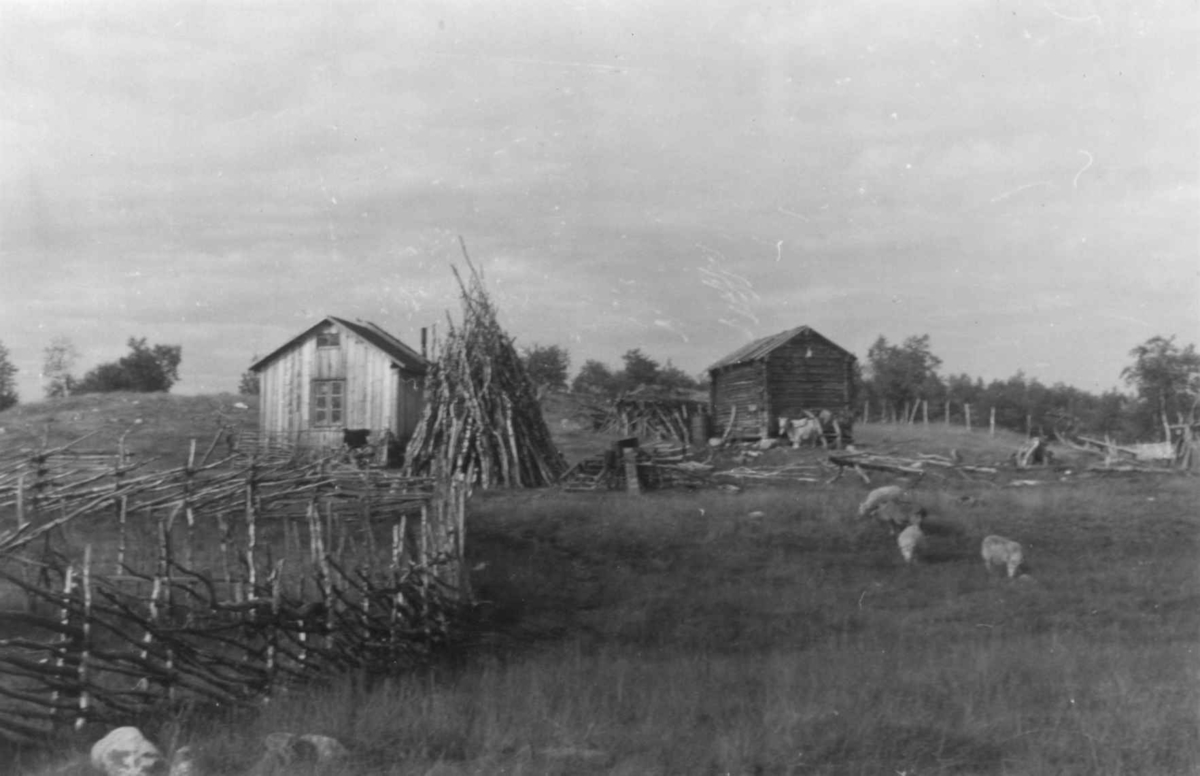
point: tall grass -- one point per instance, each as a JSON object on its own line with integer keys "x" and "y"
{"x": 773, "y": 632}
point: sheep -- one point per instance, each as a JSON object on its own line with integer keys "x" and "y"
{"x": 911, "y": 540}
{"x": 897, "y": 516}
{"x": 886, "y": 494}
{"x": 998, "y": 551}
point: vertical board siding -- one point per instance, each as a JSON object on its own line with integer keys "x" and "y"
{"x": 377, "y": 396}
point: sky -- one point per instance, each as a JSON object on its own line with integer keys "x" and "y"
{"x": 1019, "y": 180}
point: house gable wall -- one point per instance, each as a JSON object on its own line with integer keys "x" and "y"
{"x": 377, "y": 396}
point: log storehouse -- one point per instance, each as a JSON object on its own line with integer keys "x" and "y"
{"x": 783, "y": 375}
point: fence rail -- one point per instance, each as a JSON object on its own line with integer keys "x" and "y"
{"x": 123, "y": 588}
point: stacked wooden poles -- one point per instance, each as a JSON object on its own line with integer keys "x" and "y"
{"x": 482, "y": 418}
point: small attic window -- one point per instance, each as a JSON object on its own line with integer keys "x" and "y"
{"x": 808, "y": 353}
{"x": 327, "y": 338}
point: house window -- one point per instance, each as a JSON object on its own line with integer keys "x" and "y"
{"x": 328, "y": 402}
{"x": 327, "y": 338}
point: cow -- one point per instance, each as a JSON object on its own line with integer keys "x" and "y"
{"x": 802, "y": 431}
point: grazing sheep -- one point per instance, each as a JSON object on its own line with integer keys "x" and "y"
{"x": 886, "y": 494}
{"x": 911, "y": 540}
{"x": 898, "y": 516}
{"x": 998, "y": 551}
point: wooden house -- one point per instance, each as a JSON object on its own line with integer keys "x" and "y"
{"x": 336, "y": 380}
{"x": 780, "y": 376}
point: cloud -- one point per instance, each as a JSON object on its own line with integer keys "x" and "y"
{"x": 215, "y": 175}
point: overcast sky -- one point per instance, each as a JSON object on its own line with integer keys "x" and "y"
{"x": 1017, "y": 179}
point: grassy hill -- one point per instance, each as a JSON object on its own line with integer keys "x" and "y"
{"x": 772, "y": 632}
{"x": 155, "y": 426}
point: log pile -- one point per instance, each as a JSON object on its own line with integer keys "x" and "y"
{"x": 657, "y": 466}
{"x": 1132, "y": 460}
{"x": 918, "y": 466}
{"x": 482, "y": 419}
{"x": 658, "y": 418}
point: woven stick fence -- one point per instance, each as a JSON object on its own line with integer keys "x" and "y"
{"x": 122, "y": 589}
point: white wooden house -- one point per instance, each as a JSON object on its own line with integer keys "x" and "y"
{"x": 339, "y": 376}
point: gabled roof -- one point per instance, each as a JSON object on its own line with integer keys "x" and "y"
{"x": 761, "y": 348}
{"x": 402, "y": 355}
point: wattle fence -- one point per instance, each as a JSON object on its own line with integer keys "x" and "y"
{"x": 124, "y": 589}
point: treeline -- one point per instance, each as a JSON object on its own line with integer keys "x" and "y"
{"x": 549, "y": 368}
{"x": 145, "y": 369}
{"x": 902, "y": 382}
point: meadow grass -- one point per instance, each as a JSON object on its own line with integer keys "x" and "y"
{"x": 772, "y": 632}
{"x": 676, "y": 634}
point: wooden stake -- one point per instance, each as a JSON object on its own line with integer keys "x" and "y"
{"x": 251, "y": 533}
{"x": 967, "y": 411}
{"x": 85, "y": 645}
{"x": 992, "y": 422}
{"x": 64, "y": 640}
{"x": 21, "y": 521}
{"x": 121, "y": 535}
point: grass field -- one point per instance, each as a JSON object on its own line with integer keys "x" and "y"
{"x": 771, "y": 632}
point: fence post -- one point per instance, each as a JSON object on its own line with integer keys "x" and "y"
{"x": 251, "y": 534}
{"x": 992, "y": 422}
{"x": 21, "y": 521}
{"x": 85, "y": 640}
{"x": 64, "y": 640}
{"x": 967, "y": 410}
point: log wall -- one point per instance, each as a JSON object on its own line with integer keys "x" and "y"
{"x": 742, "y": 386}
{"x": 806, "y": 373}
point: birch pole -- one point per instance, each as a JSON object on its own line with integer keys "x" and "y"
{"x": 85, "y": 639}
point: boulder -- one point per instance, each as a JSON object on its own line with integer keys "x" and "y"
{"x": 126, "y": 752}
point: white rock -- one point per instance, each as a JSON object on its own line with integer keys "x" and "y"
{"x": 241, "y": 405}
{"x": 126, "y": 752}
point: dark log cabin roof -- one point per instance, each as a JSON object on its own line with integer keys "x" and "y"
{"x": 761, "y": 348}
{"x": 404, "y": 357}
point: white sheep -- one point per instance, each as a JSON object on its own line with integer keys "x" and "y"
{"x": 886, "y": 494}
{"x": 998, "y": 551}
{"x": 911, "y": 540}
